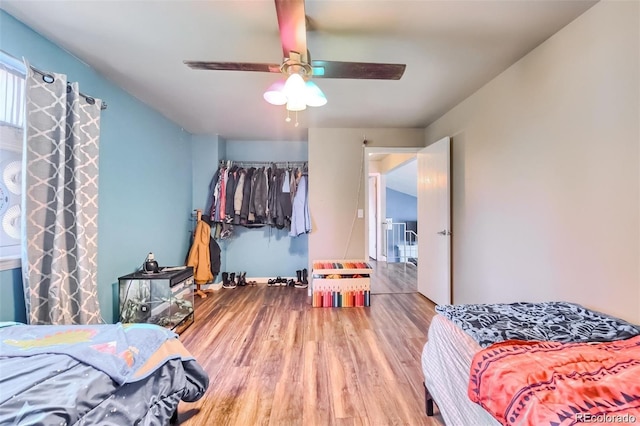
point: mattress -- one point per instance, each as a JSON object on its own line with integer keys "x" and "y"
{"x": 446, "y": 361}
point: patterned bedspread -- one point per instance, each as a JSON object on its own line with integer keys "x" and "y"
{"x": 547, "y": 321}
{"x": 551, "y": 383}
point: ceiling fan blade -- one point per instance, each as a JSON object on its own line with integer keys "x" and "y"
{"x": 233, "y": 66}
{"x": 357, "y": 70}
{"x": 293, "y": 28}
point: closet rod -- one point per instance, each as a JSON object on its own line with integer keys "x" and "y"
{"x": 265, "y": 163}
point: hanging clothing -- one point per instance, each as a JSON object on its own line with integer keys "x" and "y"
{"x": 210, "y": 209}
{"x": 214, "y": 251}
{"x": 255, "y": 197}
{"x": 246, "y": 196}
{"x": 300, "y": 219}
{"x": 238, "y": 196}
{"x": 222, "y": 197}
{"x": 232, "y": 180}
{"x": 199, "y": 255}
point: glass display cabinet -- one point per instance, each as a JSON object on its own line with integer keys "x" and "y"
{"x": 164, "y": 298}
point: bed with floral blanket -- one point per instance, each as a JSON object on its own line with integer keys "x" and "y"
{"x": 464, "y": 335}
{"x": 115, "y": 374}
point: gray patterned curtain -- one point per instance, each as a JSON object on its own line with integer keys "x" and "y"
{"x": 60, "y": 203}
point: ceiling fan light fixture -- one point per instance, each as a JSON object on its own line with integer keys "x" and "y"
{"x": 295, "y": 93}
{"x": 296, "y": 104}
{"x": 275, "y": 93}
{"x": 314, "y": 96}
{"x": 295, "y": 87}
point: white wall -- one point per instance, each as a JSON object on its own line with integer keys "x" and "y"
{"x": 546, "y": 176}
{"x": 336, "y": 178}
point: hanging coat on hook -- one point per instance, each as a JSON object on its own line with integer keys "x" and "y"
{"x": 199, "y": 257}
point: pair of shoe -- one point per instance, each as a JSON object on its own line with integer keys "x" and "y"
{"x": 303, "y": 278}
{"x": 229, "y": 279}
{"x": 242, "y": 279}
{"x": 278, "y": 281}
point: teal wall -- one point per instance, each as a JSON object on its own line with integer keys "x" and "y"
{"x": 145, "y": 173}
{"x": 205, "y": 156}
{"x": 11, "y": 296}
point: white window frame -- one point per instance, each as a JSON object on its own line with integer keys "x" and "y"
{"x": 11, "y": 139}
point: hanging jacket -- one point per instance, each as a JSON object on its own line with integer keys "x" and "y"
{"x": 261, "y": 192}
{"x": 220, "y": 216}
{"x": 214, "y": 251}
{"x": 251, "y": 217}
{"x": 300, "y": 219}
{"x": 210, "y": 208}
{"x": 199, "y": 256}
{"x": 246, "y": 196}
{"x": 232, "y": 181}
{"x": 239, "y": 195}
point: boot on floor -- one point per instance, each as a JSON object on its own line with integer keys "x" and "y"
{"x": 302, "y": 279}
{"x": 228, "y": 280}
{"x": 242, "y": 278}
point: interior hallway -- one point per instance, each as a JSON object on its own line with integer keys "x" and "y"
{"x": 394, "y": 277}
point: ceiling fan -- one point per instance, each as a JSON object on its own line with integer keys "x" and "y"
{"x": 298, "y": 66}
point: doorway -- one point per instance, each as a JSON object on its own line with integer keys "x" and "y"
{"x": 391, "y": 218}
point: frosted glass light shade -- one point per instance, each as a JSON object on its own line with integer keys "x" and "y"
{"x": 294, "y": 87}
{"x": 313, "y": 95}
{"x": 295, "y": 93}
{"x": 275, "y": 93}
{"x": 296, "y": 104}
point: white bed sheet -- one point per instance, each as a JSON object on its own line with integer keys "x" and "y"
{"x": 446, "y": 361}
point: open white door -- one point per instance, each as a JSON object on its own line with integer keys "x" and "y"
{"x": 434, "y": 222}
{"x": 373, "y": 216}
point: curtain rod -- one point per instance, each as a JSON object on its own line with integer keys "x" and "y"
{"x": 45, "y": 74}
{"x": 89, "y": 99}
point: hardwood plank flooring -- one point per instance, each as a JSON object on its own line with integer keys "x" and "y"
{"x": 272, "y": 359}
{"x": 394, "y": 277}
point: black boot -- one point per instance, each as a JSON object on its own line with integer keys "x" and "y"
{"x": 299, "y": 276}
{"x": 241, "y": 281}
{"x": 230, "y": 282}
{"x": 225, "y": 279}
{"x": 302, "y": 279}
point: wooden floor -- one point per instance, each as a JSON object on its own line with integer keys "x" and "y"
{"x": 272, "y": 359}
{"x": 393, "y": 277}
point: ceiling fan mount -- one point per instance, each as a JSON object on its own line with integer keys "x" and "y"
{"x": 294, "y": 64}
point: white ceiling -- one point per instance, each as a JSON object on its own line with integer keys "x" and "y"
{"x": 404, "y": 178}
{"x": 451, "y": 49}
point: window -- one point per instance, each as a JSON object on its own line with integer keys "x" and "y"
{"x": 12, "y": 121}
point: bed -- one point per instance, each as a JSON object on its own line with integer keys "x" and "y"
{"x": 115, "y": 374}
{"x": 550, "y": 363}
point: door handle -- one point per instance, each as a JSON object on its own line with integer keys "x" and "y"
{"x": 444, "y": 232}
